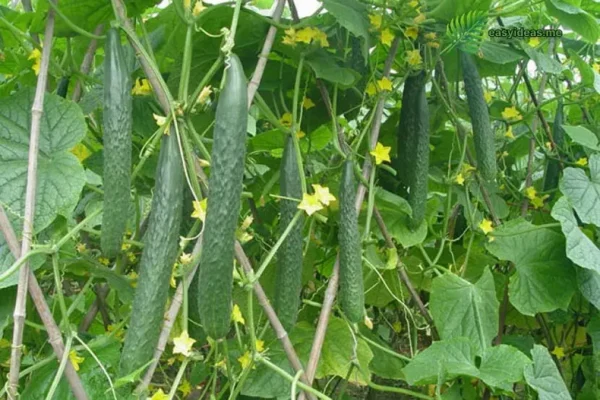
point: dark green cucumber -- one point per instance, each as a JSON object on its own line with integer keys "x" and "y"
{"x": 289, "y": 257}
{"x": 352, "y": 297}
{"x": 483, "y": 136}
{"x": 413, "y": 136}
{"x": 552, "y": 174}
{"x": 223, "y": 205}
{"x": 117, "y": 117}
{"x": 161, "y": 243}
{"x": 63, "y": 86}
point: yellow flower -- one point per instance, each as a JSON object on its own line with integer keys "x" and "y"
{"x": 375, "y": 21}
{"x": 260, "y": 345}
{"x": 368, "y": 323}
{"x": 384, "y": 84}
{"x": 323, "y": 195}
{"x": 187, "y": 4}
{"x": 397, "y": 326}
{"x": 160, "y": 120}
{"x": 131, "y": 257}
{"x": 320, "y": 37}
{"x": 582, "y": 162}
{"x": 412, "y": 32}
{"x": 596, "y": 67}
{"x": 419, "y": 18}
{"x": 36, "y": 56}
{"x": 305, "y": 35}
{"x": 414, "y": 57}
{"x": 185, "y": 258}
{"x": 534, "y": 41}
{"x": 310, "y": 203}
{"x": 81, "y": 152}
{"x": 173, "y": 281}
{"x": 371, "y": 89}
{"x": 200, "y": 209}
{"x": 486, "y": 226}
{"x": 386, "y": 37}
{"x": 559, "y": 352}
{"x": 430, "y": 36}
{"x": 198, "y": 8}
{"x": 300, "y": 134}
{"x": 548, "y": 146}
{"x": 538, "y": 202}
{"x": 81, "y": 247}
{"x": 133, "y": 277}
{"x": 142, "y": 87}
{"x": 286, "y": 120}
{"x": 381, "y": 153}
{"x": 159, "y": 395}
{"x": 509, "y": 133}
{"x": 183, "y": 344}
{"x": 504, "y": 154}
{"x": 290, "y": 37}
{"x": 460, "y": 179}
{"x": 125, "y": 246}
{"x": 511, "y": 113}
{"x": 414, "y": 4}
{"x": 307, "y": 103}
{"x": 487, "y": 96}
{"x": 245, "y": 360}
{"x": 236, "y": 315}
{"x": 185, "y": 388}
{"x": 75, "y": 359}
{"x": 103, "y": 260}
{"x": 204, "y": 94}
{"x": 530, "y": 192}
{"x": 433, "y": 45}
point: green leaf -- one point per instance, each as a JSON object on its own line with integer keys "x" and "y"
{"x": 7, "y": 307}
{"x": 589, "y": 285}
{"x": 351, "y": 14}
{"x": 453, "y": 357}
{"x": 543, "y": 376}
{"x": 448, "y": 9}
{"x": 544, "y": 62}
{"x": 60, "y": 176}
{"x": 583, "y": 193}
{"x": 383, "y": 364}
{"x": 327, "y": 68}
{"x": 503, "y": 365}
{"x": 544, "y": 280}
{"x": 499, "y": 53}
{"x": 392, "y": 202}
{"x": 264, "y": 383}
{"x": 574, "y": 18}
{"x": 580, "y": 249}
{"x": 7, "y": 259}
{"x": 582, "y": 136}
{"x": 460, "y": 308}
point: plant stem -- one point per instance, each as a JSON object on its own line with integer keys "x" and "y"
{"x": 61, "y": 369}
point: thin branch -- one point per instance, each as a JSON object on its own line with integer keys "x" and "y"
{"x": 264, "y": 54}
{"x": 86, "y": 64}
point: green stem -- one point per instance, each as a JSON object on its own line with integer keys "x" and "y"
{"x": 150, "y": 147}
{"x": 296, "y": 123}
{"x": 197, "y": 139}
{"x": 59, "y": 291}
{"x": 61, "y": 367}
{"x": 236, "y": 18}
{"x": 207, "y": 78}
{"x": 392, "y": 389}
{"x": 186, "y": 64}
{"x": 188, "y": 156}
{"x": 383, "y": 348}
{"x": 178, "y": 377}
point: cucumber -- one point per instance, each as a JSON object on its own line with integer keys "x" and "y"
{"x": 223, "y": 205}
{"x": 288, "y": 276}
{"x": 352, "y": 296}
{"x": 413, "y": 137}
{"x": 161, "y": 243}
{"x": 117, "y": 118}
{"x": 483, "y": 137}
{"x": 63, "y": 86}
{"x": 552, "y": 174}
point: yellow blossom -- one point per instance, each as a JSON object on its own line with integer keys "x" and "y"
{"x": 487, "y": 96}
{"x": 198, "y": 8}
{"x": 260, "y": 345}
{"x": 596, "y": 67}
{"x": 323, "y": 195}
{"x": 300, "y": 134}
{"x": 548, "y": 145}
{"x": 511, "y": 113}
{"x": 103, "y": 261}
{"x": 582, "y": 162}
{"x": 36, "y": 56}
{"x": 534, "y": 41}
{"x": 381, "y": 153}
{"x": 559, "y": 352}
{"x": 538, "y": 202}
{"x": 371, "y": 89}
{"x": 320, "y": 37}
{"x": 286, "y": 120}
{"x": 310, "y": 204}
{"x": 236, "y": 315}
{"x": 185, "y": 258}
{"x": 142, "y": 87}
{"x": 173, "y": 281}
{"x": 200, "y": 209}
{"x": 368, "y": 322}
{"x": 414, "y": 3}
{"x": 75, "y": 359}
{"x": 386, "y": 37}
{"x": 187, "y": 4}
{"x": 412, "y": 32}
{"x": 81, "y": 247}
{"x": 397, "y": 326}
{"x": 460, "y": 179}
{"x": 384, "y": 84}
{"x": 307, "y": 103}
{"x": 81, "y": 151}
{"x": 204, "y": 94}
{"x": 504, "y": 154}
{"x": 133, "y": 277}
{"x": 413, "y": 57}
{"x": 290, "y": 37}
{"x": 419, "y": 18}
{"x": 160, "y": 120}
{"x": 433, "y": 45}
{"x": 185, "y": 388}
{"x": 159, "y": 395}
{"x": 430, "y": 36}
{"x": 509, "y": 133}
{"x": 183, "y": 344}
{"x": 245, "y": 360}
{"x": 125, "y": 246}
{"x": 486, "y": 226}
{"x": 530, "y": 192}
{"x": 131, "y": 257}
{"x": 376, "y": 21}
{"x": 305, "y": 35}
